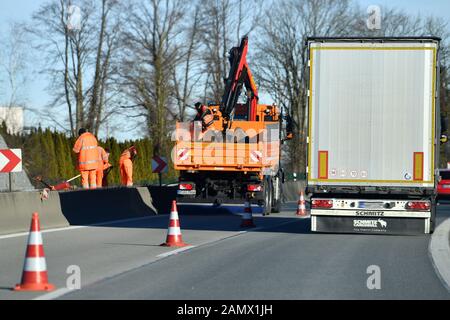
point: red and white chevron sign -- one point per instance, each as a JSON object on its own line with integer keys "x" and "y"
{"x": 159, "y": 164}
{"x": 10, "y": 160}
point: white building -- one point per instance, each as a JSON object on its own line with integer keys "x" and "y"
{"x": 13, "y": 118}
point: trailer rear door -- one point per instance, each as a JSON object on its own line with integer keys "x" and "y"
{"x": 372, "y": 111}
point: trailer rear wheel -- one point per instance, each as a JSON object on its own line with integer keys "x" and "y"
{"x": 433, "y": 216}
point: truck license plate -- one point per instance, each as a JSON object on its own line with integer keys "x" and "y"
{"x": 370, "y": 205}
{"x": 186, "y": 192}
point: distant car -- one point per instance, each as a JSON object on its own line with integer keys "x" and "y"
{"x": 444, "y": 182}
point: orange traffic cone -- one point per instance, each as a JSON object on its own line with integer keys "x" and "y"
{"x": 301, "y": 208}
{"x": 34, "y": 276}
{"x": 247, "y": 216}
{"x": 174, "y": 233}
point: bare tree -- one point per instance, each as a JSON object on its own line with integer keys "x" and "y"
{"x": 222, "y": 24}
{"x": 14, "y": 66}
{"x": 282, "y": 57}
{"x": 77, "y": 58}
{"x": 14, "y": 52}
{"x": 187, "y": 74}
{"x": 107, "y": 46}
{"x": 66, "y": 51}
{"x": 148, "y": 62}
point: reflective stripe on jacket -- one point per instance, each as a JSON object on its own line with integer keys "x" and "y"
{"x": 86, "y": 147}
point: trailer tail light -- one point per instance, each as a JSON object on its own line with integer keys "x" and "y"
{"x": 321, "y": 204}
{"x": 417, "y": 205}
{"x": 185, "y": 186}
{"x": 254, "y": 187}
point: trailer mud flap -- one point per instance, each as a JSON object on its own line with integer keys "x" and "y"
{"x": 384, "y": 225}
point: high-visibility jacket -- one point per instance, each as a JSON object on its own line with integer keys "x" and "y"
{"x": 204, "y": 115}
{"x": 126, "y": 168}
{"x": 86, "y": 147}
{"x": 103, "y": 163}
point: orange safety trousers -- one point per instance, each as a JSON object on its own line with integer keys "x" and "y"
{"x": 89, "y": 178}
{"x": 99, "y": 174}
{"x": 126, "y": 172}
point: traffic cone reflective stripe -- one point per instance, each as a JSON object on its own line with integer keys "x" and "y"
{"x": 34, "y": 276}
{"x": 247, "y": 216}
{"x": 174, "y": 238}
{"x": 301, "y": 207}
{"x": 174, "y": 212}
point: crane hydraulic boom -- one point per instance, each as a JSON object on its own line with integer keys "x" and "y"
{"x": 239, "y": 76}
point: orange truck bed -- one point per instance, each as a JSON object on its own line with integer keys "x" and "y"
{"x": 248, "y": 150}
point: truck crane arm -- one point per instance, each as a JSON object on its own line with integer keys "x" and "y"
{"x": 239, "y": 76}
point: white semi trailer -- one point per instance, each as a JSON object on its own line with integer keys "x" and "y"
{"x": 373, "y": 134}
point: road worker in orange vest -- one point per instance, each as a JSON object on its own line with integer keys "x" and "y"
{"x": 126, "y": 166}
{"x": 204, "y": 115}
{"x": 103, "y": 164}
{"x": 86, "y": 148}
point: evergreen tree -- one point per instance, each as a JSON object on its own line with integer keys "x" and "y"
{"x": 114, "y": 160}
{"x": 64, "y": 159}
{"x": 49, "y": 156}
{"x": 32, "y": 154}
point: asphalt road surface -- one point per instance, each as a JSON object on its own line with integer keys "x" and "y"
{"x": 280, "y": 259}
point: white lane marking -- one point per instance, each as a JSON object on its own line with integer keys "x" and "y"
{"x": 21, "y": 234}
{"x": 439, "y": 252}
{"x": 170, "y": 253}
{"x": 55, "y": 294}
{"x": 63, "y": 291}
{"x": 167, "y": 254}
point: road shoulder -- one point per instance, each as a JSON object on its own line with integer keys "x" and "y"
{"x": 439, "y": 251}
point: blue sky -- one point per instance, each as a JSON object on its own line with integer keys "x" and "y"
{"x": 21, "y": 10}
{"x": 424, "y": 7}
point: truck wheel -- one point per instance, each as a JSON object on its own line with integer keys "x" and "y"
{"x": 432, "y": 225}
{"x": 267, "y": 198}
{"x": 433, "y": 216}
{"x": 276, "y": 203}
{"x": 277, "y": 207}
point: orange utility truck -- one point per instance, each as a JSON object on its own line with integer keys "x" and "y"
{"x": 233, "y": 152}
